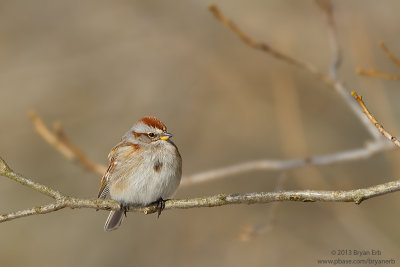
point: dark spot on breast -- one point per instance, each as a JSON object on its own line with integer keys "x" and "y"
{"x": 157, "y": 166}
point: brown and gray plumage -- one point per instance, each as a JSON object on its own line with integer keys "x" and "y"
{"x": 145, "y": 167}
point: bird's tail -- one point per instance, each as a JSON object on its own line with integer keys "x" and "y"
{"x": 114, "y": 220}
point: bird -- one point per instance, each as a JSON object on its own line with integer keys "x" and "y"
{"x": 145, "y": 167}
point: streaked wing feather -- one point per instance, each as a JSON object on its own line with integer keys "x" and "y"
{"x": 104, "y": 190}
{"x": 113, "y": 151}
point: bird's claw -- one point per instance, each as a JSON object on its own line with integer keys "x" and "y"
{"x": 124, "y": 208}
{"x": 160, "y": 206}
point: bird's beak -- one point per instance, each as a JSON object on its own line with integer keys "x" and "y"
{"x": 166, "y": 136}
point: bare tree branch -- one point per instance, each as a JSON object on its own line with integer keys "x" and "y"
{"x": 389, "y": 54}
{"x": 327, "y": 7}
{"x": 380, "y": 74}
{"x": 343, "y": 156}
{"x": 343, "y": 92}
{"x": 356, "y": 196}
{"x": 6, "y": 171}
{"x": 80, "y": 156}
{"x": 251, "y": 231}
{"x": 32, "y": 211}
{"x": 265, "y": 47}
{"x": 374, "y": 121}
{"x": 50, "y": 138}
{"x": 265, "y": 164}
{"x": 62, "y": 144}
{"x": 337, "y": 85}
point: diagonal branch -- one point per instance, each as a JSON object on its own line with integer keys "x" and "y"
{"x": 356, "y": 196}
{"x": 374, "y": 121}
{"x": 389, "y": 54}
{"x": 265, "y": 47}
{"x": 380, "y": 74}
{"x": 50, "y": 138}
{"x": 62, "y": 144}
{"x": 6, "y": 171}
{"x": 206, "y": 176}
{"x": 80, "y": 156}
{"x": 343, "y": 92}
{"x": 334, "y": 83}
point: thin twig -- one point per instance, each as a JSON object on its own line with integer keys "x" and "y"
{"x": 44, "y": 132}
{"x": 7, "y": 171}
{"x": 344, "y": 93}
{"x": 327, "y": 7}
{"x": 379, "y": 74}
{"x": 343, "y": 156}
{"x": 374, "y": 121}
{"x": 251, "y": 231}
{"x": 265, "y": 47}
{"x": 389, "y": 54}
{"x": 206, "y": 176}
{"x": 78, "y": 153}
{"x": 62, "y": 144}
{"x": 356, "y": 196}
{"x": 337, "y": 85}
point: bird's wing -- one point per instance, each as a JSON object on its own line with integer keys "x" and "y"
{"x": 104, "y": 189}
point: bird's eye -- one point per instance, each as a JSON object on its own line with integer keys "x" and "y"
{"x": 151, "y": 134}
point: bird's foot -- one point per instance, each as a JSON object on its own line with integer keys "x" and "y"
{"x": 160, "y": 205}
{"x": 124, "y": 208}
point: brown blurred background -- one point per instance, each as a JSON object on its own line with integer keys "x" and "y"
{"x": 98, "y": 66}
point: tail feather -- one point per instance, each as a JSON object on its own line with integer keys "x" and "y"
{"x": 114, "y": 220}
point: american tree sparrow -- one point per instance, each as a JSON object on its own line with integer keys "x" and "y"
{"x": 145, "y": 167}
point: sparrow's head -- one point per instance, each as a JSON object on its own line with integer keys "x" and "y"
{"x": 148, "y": 130}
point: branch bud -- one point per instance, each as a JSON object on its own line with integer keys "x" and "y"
{"x": 4, "y": 167}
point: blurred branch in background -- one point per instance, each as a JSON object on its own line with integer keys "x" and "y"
{"x": 72, "y": 152}
{"x": 251, "y": 231}
{"x": 379, "y": 74}
{"x": 289, "y": 121}
{"x": 389, "y": 54}
{"x": 327, "y": 7}
{"x": 265, "y": 47}
{"x": 59, "y": 140}
{"x": 384, "y": 75}
{"x": 331, "y": 81}
{"x": 62, "y": 201}
{"x": 66, "y": 149}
